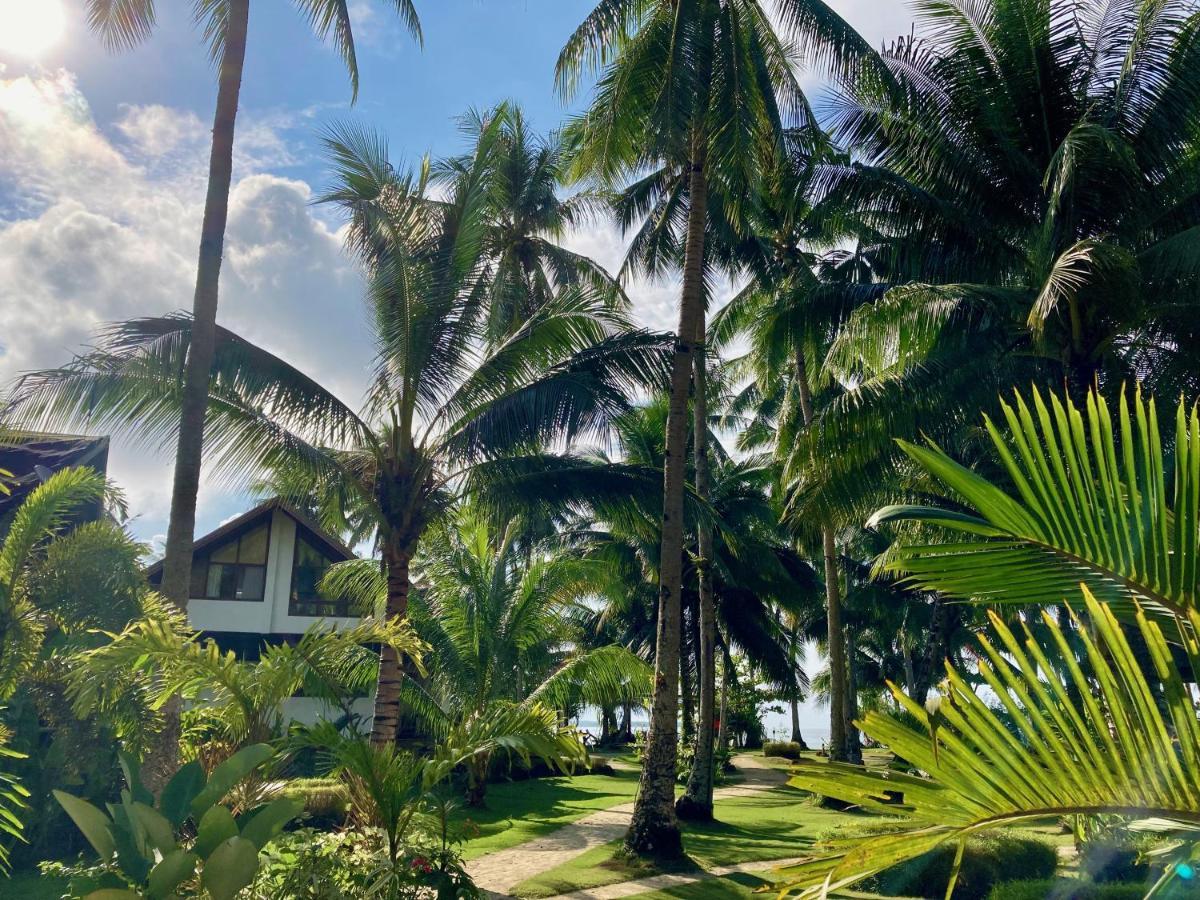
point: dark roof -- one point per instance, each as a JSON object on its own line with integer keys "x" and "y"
{"x": 332, "y": 543}
{"x": 32, "y": 456}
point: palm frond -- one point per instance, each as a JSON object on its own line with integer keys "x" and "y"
{"x": 1093, "y": 503}
{"x": 1095, "y": 740}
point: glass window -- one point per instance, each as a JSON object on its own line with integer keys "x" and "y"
{"x": 236, "y": 570}
{"x": 308, "y": 568}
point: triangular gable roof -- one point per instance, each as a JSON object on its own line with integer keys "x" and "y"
{"x": 333, "y": 544}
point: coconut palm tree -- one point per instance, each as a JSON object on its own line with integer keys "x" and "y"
{"x": 1038, "y": 232}
{"x": 526, "y": 218}
{"x": 754, "y": 576}
{"x": 788, "y": 311}
{"x": 703, "y": 86}
{"x": 445, "y": 413}
{"x": 501, "y": 620}
{"x": 123, "y": 24}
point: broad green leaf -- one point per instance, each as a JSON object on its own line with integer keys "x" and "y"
{"x": 184, "y": 786}
{"x": 216, "y": 825}
{"x": 94, "y": 824}
{"x": 158, "y": 829}
{"x": 267, "y": 822}
{"x": 228, "y": 774}
{"x": 113, "y": 894}
{"x": 230, "y": 868}
{"x": 133, "y": 778}
{"x": 174, "y": 868}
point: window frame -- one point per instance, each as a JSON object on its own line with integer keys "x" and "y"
{"x": 237, "y": 536}
{"x": 341, "y": 608}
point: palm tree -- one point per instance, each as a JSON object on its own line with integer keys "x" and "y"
{"x": 124, "y": 24}
{"x": 701, "y": 85}
{"x": 792, "y": 305}
{"x": 754, "y": 578}
{"x": 1112, "y": 733}
{"x": 1026, "y": 189}
{"x": 445, "y": 414}
{"x": 526, "y": 218}
{"x": 500, "y": 620}
{"x": 243, "y": 701}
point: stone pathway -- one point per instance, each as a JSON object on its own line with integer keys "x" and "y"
{"x": 496, "y": 874}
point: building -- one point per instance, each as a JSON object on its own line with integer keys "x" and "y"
{"x": 254, "y": 582}
{"x": 32, "y": 457}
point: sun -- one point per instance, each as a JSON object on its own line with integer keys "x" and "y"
{"x": 29, "y": 28}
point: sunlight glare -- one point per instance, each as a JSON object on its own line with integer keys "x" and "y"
{"x": 28, "y": 28}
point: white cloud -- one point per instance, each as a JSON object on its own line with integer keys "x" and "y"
{"x": 94, "y": 230}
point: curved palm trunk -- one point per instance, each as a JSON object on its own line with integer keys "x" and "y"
{"x": 396, "y": 558}
{"x": 838, "y": 707}
{"x": 697, "y": 801}
{"x": 654, "y": 829}
{"x": 163, "y": 758}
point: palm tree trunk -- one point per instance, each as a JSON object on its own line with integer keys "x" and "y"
{"x": 853, "y": 744}
{"x": 797, "y": 736}
{"x": 697, "y": 801}
{"x": 162, "y": 759}
{"x": 654, "y": 830}
{"x": 721, "y": 725}
{"x": 625, "y": 733}
{"x": 833, "y": 601}
{"x": 397, "y": 555}
{"x": 687, "y": 715}
{"x": 177, "y": 563}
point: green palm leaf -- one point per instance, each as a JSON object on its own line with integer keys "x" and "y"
{"x": 1093, "y": 500}
{"x": 1096, "y": 740}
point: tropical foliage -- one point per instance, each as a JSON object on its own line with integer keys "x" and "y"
{"x": 919, "y": 435}
{"x": 501, "y": 617}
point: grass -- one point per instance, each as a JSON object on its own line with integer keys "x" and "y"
{"x": 520, "y": 811}
{"x": 31, "y": 886}
{"x": 770, "y": 825}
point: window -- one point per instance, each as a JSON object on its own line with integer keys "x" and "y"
{"x": 236, "y": 570}
{"x": 308, "y": 567}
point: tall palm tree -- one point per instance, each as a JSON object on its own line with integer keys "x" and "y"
{"x": 124, "y": 24}
{"x": 445, "y": 412}
{"x": 754, "y": 577}
{"x": 526, "y": 218}
{"x": 703, "y": 85}
{"x": 501, "y": 621}
{"x": 1028, "y": 188}
{"x": 788, "y": 312}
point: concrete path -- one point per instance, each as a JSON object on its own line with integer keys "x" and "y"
{"x": 498, "y": 873}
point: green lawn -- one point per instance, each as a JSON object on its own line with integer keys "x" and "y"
{"x": 520, "y": 811}
{"x": 774, "y": 824}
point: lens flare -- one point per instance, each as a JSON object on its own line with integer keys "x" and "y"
{"x": 28, "y": 28}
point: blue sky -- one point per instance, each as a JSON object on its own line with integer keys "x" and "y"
{"x": 103, "y": 157}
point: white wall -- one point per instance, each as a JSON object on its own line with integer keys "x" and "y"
{"x": 269, "y": 615}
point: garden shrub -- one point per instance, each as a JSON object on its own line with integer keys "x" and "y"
{"x": 785, "y": 749}
{"x": 986, "y": 862}
{"x": 1113, "y": 861}
{"x": 1065, "y": 889}
{"x": 326, "y": 800}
